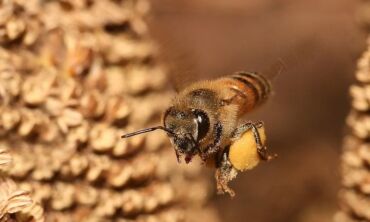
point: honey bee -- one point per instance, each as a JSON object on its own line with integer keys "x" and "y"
{"x": 206, "y": 119}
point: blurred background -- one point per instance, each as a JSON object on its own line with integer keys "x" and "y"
{"x": 319, "y": 43}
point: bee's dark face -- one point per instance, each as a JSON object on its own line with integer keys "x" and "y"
{"x": 188, "y": 128}
{"x": 186, "y": 146}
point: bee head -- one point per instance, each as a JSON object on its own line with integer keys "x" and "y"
{"x": 185, "y": 129}
{"x": 188, "y": 127}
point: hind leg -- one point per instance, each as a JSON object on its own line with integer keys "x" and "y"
{"x": 225, "y": 172}
{"x": 261, "y": 149}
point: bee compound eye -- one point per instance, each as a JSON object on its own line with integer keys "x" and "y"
{"x": 202, "y": 122}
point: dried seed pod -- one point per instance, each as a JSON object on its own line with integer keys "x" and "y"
{"x": 41, "y": 192}
{"x": 10, "y": 84}
{"x": 6, "y": 13}
{"x": 68, "y": 90}
{"x": 15, "y": 200}
{"x": 102, "y": 138}
{"x": 125, "y": 49}
{"x": 360, "y": 124}
{"x": 87, "y": 195}
{"x": 33, "y": 32}
{"x": 92, "y": 104}
{"x": 128, "y": 147}
{"x": 361, "y": 97}
{"x": 36, "y": 89}
{"x": 97, "y": 77}
{"x": 48, "y": 131}
{"x": 12, "y": 200}
{"x": 154, "y": 142}
{"x": 144, "y": 166}
{"x": 354, "y": 196}
{"x": 29, "y": 122}
{"x": 117, "y": 110}
{"x": 34, "y": 212}
{"x": 133, "y": 202}
{"x": 363, "y": 68}
{"x": 80, "y": 60}
{"x": 108, "y": 208}
{"x": 364, "y": 153}
{"x": 79, "y": 135}
{"x": 121, "y": 148}
{"x": 63, "y": 196}
{"x": 161, "y": 195}
{"x": 147, "y": 200}
{"x": 54, "y": 106}
{"x": 53, "y": 49}
{"x": 70, "y": 118}
{"x": 139, "y": 79}
{"x": 174, "y": 215}
{"x": 9, "y": 118}
{"x": 115, "y": 80}
{"x": 119, "y": 174}
{"x": 99, "y": 165}
{"x": 76, "y": 166}
{"x": 22, "y": 165}
{"x": 136, "y": 79}
{"x": 5, "y": 157}
{"x": 41, "y": 172}
{"x": 343, "y": 217}
{"x": 15, "y": 28}
{"x": 357, "y": 204}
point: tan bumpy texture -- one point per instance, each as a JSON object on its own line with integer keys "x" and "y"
{"x": 355, "y": 193}
{"x": 74, "y": 76}
{"x": 15, "y": 204}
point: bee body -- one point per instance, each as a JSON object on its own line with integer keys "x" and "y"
{"x": 250, "y": 88}
{"x": 220, "y": 104}
{"x": 205, "y": 119}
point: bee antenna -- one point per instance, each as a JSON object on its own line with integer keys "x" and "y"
{"x": 146, "y": 131}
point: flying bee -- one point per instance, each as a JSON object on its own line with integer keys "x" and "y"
{"x": 205, "y": 120}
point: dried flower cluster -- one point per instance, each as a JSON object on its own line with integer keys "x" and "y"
{"x": 355, "y": 194}
{"x": 14, "y": 202}
{"x": 74, "y": 75}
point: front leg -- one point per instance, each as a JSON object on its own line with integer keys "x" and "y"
{"x": 215, "y": 146}
{"x": 261, "y": 149}
{"x": 225, "y": 172}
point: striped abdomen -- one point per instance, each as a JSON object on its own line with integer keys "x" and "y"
{"x": 250, "y": 89}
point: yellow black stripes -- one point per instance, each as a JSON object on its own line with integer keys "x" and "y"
{"x": 260, "y": 83}
{"x": 248, "y": 84}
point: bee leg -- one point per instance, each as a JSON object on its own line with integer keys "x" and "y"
{"x": 261, "y": 149}
{"x": 210, "y": 151}
{"x": 225, "y": 172}
{"x": 226, "y": 102}
{"x": 177, "y": 156}
{"x": 216, "y": 145}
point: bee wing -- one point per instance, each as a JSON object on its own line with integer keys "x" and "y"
{"x": 275, "y": 69}
{"x": 180, "y": 64}
{"x": 291, "y": 59}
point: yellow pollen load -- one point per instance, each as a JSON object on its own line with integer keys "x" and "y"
{"x": 243, "y": 152}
